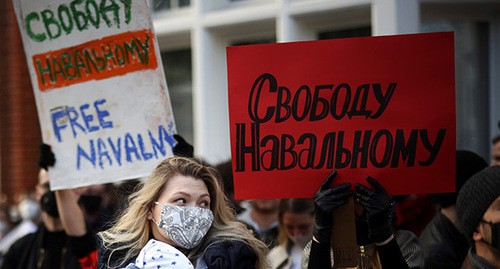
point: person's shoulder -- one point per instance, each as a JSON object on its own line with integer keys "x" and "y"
{"x": 467, "y": 264}
{"x": 110, "y": 253}
{"x": 229, "y": 253}
{"x": 277, "y": 256}
{"x": 442, "y": 257}
{"x": 277, "y": 251}
{"x": 159, "y": 246}
{"x": 229, "y": 244}
{"x": 249, "y": 227}
{"x": 25, "y": 241}
{"x": 244, "y": 215}
{"x": 16, "y": 250}
{"x": 432, "y": 232}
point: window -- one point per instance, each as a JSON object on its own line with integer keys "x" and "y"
{"x": 178, "y": 70}
{"x": 162, "y": 5}
{"x": 471, "y": 81}
{"x": 352, "y": 32}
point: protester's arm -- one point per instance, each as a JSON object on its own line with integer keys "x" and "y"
{"x": 72, "y": 218}
{"x": 379, "y": 207}
{"x": 390, "y": 255}
{"x": 70, "y": 213}
{"x": 73, "y": 222}
{"x": 326, "y": 200}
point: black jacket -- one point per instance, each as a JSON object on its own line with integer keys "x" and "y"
{"x": 45, "y": 249}
{"x": 443, "y": 245}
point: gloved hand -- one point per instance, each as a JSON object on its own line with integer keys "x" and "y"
{"x": 378, "y": 207}
{"x": 47, "y": 157}
{"x": 326, "y": 200}
{"x": 182, "y": 148}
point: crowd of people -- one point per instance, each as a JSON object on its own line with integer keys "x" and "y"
{"x": 184, "y": 216}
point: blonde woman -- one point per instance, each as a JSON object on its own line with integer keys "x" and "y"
{"x": 182, "y": 204}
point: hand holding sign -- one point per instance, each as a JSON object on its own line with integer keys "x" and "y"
{"x": 326, "y": 200}
{"x": 378, "y": 207}
{"x": 47, "y": 157}
{"x": 183, "y": 148}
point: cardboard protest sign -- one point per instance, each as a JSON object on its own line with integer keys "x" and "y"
{"x": 378, "y": 106}
{"x": 99, "y": 85}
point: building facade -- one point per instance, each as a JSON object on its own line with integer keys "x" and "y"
{"x": 193, "y": 36}
{"x": 201, "y": 30}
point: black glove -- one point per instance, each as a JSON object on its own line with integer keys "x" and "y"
{"x": 47, "y": 157}
{"x": 378, "y": 207}
{"x": 326, "y": 200}
{"x": 182, "y": 148}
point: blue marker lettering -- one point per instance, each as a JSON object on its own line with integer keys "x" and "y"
{"x": 102, "y": 114}
{"x": 73, "y": 117}
{"x": 88, "y": 118}
{"x": 130, "y": 148}
{"x": 103, "y": 153}
{"x": 145, "y": 155}
{"x": 117, "y": 150}
{"x": 157, "y": 145}
{"x": 55, "y": 123}
{"x": 81, "y": 153}
{"x": 170, "y": 139}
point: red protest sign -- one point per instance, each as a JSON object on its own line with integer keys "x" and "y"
{"x": 378, "y": 106}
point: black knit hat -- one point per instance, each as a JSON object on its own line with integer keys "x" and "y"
{"x": 475, "y": 197}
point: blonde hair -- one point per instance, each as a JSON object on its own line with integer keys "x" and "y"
{"x": 132, "y": 230}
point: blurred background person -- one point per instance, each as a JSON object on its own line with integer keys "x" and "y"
{"x": 29, "y": 211}
{"x": 226, "y": 173}
{"x": 5, "y": 222}
{"x": 495, "y": 151}
{"x": 414, "y": 212}
{"x": 296, "y": 223}
{"x": 49, "y": 247}
{"x": 262, "y": 217}
{"x": 443, "y": 243}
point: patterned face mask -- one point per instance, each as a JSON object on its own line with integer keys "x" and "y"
{"x": 185, "y": 225}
